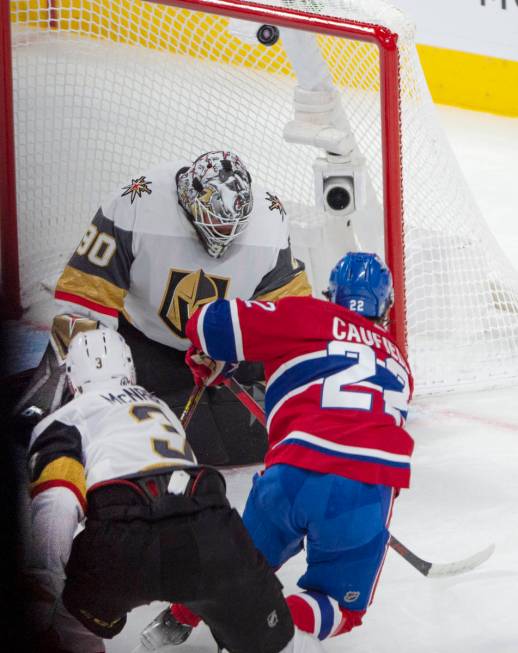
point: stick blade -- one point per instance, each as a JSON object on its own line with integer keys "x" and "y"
{"x": 438, "y": 570}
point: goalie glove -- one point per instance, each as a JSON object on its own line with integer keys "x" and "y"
{"x": 47, "y": 388}
{"x": 205, "y": 370}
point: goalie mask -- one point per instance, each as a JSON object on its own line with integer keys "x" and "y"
{"x": 98, "y": 356}
{"x": 216, "y": 193}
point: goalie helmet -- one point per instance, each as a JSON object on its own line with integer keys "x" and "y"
{"x": 362, "y": 283}
{"x": 216, "y": 193}
{"x": 98, "y": 356}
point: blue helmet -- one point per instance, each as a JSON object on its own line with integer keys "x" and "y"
{"x": 362, "y": 283}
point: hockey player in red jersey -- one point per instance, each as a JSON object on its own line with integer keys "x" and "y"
{"x": 158, "y": 525}
{"x": 336, "y": 403}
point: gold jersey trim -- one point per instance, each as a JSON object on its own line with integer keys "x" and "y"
{"x": 299, "y": 286}
{"x": 91, "y": 287}
{"x": 63, "y": 471}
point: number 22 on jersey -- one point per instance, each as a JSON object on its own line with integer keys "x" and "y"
{"x": 364, "y": 371}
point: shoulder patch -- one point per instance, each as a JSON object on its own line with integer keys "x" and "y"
{"x": 136, "y": 188}
{"x": 275, "y": 203}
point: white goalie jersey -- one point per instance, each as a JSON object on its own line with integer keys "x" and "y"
{"x": 141, "y": 257}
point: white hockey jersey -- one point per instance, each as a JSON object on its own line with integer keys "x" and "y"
{"x": 142, "y": 257}
{"x": 108, "y": 432}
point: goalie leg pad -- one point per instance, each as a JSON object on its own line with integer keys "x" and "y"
{"x": 47, "y": 387}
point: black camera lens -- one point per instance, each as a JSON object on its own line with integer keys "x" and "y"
{"x": 338, "y": 198}
{"x": 268, "y": 34}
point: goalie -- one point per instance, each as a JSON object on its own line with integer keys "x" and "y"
{"x": 164, "y": 245}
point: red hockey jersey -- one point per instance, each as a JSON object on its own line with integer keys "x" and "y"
{"x": 337, "y": 385}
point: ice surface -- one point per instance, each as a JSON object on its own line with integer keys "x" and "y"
{"x": 464, "y": 496}
{"x": 464, "y": 492}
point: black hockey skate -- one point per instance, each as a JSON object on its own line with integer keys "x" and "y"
{"x": 164, "y": 631}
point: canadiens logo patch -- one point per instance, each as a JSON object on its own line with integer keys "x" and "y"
{"x": 186, "y": 291}
{"x": 275, "y": 203}
{"x": 136, "y": 188}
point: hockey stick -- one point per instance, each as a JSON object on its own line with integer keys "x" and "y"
{"x": 190, "y": 406}
{"x": 246, "y": 399}
{"x": 441, "y": 570}
{"x": 429, "y": 569}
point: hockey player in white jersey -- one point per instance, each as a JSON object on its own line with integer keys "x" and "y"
{"x": 163, "y": 245}
{"x": 158, "y": 525}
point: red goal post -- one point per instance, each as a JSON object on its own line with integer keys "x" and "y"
{"x": 10, "y": 285}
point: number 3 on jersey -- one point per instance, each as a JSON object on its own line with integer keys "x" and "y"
{"x": 175, "y": 446}
{"x": 363, "y": 372}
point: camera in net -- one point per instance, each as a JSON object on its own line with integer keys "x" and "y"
{"x": 339, "y": 195}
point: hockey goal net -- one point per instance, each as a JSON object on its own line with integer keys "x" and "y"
{"x": 103, "y": 89}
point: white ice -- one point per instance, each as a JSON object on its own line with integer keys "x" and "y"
{"x": 464, "y": 492}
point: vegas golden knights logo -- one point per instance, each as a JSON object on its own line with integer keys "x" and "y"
{"x": 185, "y": 292}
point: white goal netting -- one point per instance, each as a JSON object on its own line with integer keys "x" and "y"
{"x": 104, "y": 89}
